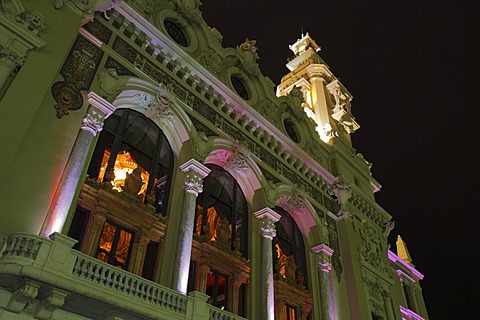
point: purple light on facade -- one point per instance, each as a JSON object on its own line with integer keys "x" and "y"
{"x": 394, "y": 258}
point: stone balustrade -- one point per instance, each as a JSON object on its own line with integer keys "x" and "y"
{"x": 51, "y": 265}
{"x": 217, "y": 314}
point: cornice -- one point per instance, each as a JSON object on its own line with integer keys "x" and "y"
{"x": 26, "y": 37}
{"x": 396, "y": 259}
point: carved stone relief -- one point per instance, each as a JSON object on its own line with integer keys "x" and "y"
{"x": 78, "y": 72}
{"x": 247, "y": 56}
{"x": 212, "y": 60}
{"x": 156, "y": 107}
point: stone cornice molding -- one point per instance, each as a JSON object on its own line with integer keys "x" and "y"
{"x": 27, "y": 38}
{"x": 267, "y": 213}
{"x": 322, "y": 249}
{"x": 195, "y": 166}
{"x": 101, "y": 104}
{"x": 397, "y": 260}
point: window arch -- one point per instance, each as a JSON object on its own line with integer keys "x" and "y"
{"x": 226, "y": 218}
{"x": 289, "y": 251}
{"x": 133, "y": 154}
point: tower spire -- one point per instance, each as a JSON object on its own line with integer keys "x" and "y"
{"x": 402, "y": 251}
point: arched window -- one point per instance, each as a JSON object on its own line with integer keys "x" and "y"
{"x": 226, "y": 210}
{"x": 134, "y": 155}
{"x": 289, "y": 251}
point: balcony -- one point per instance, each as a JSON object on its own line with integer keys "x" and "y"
{"x": 45, "y": 275}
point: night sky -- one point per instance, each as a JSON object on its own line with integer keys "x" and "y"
{"x": 410, "y": 67}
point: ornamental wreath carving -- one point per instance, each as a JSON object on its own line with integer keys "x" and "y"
{"x": 156, "y": 107}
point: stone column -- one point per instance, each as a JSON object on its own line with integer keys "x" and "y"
{"x": 267, "y": 218}
{"x": 324, "y": 265}
{"x": 203, "y": 271}
{"x": 138, "y": 254}
{"x": 388, "y": 306}
{"x": 93, "y": 232}
{"x": 195, "y": 172}
{"x": 72, "y": 175}
{"x": 414, "y": 299}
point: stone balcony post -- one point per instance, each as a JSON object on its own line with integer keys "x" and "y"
{"x": 64, "y": 196}
{"x": 324, "y": 265}
{"x": 195, "y": 172}
{"x": 267, "y": 218}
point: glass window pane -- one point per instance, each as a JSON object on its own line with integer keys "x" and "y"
{"x": 122, "y": 249}
{"x": 106, "y": 242}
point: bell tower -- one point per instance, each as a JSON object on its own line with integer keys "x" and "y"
{"x": 327, "y": 101}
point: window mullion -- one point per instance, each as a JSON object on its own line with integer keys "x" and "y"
{"x": 116, "y": 146}
{"x": 113, "y": 249}
{"x": 154, "y": 164}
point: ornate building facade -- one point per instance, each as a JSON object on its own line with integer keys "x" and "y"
{"x": 147, "y": 172}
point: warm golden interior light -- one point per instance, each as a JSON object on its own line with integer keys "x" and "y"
{"x": 212, "y": 220}
{"x": 122, "y": 247}
{"x": 124, "y": 164}
{"x": 282, "y": 260}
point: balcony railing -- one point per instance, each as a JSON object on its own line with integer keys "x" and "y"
{"x": 52, "y": 263}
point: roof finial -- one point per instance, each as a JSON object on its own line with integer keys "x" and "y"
{"x": 402, "y": 251}
{"x": 301, "y": 29}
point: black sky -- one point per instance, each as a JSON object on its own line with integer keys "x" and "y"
{"x": 413, "y": 71}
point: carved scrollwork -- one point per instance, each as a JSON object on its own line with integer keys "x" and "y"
{"x": 157, "y": 107}
{"x": 247, "y": 56}
{"x": 293, "y": 203}
{"x": 192, "y": 15}
{"x": 212, "y": 60}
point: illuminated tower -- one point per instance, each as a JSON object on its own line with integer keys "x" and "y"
{"x": 327, "y": 101}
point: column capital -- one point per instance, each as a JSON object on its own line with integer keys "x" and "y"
{"x": 267, "y": 218}
{"x": 195, "y": 172}
{"x": 323, "y": 253}
{"x": 97, "y": 112}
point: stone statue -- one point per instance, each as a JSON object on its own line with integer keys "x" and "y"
{"x": 133, "y": 182}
